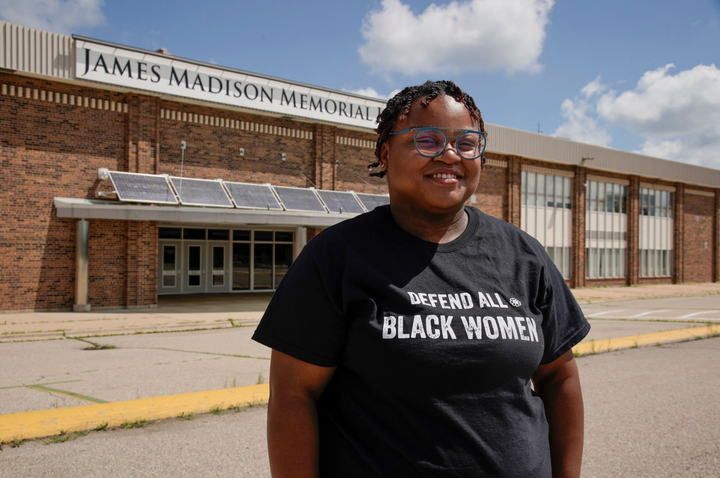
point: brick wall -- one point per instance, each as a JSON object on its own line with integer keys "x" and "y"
{"x": 51, "y": 144}
{"x": 54, "y": 137}
{"x": 698, "y": 240}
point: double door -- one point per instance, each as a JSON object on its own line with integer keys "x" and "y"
{"x": 193, "y": 267}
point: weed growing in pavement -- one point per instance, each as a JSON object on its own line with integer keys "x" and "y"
{"x": 186, "y": 416}
{"x": 232, "y": 323}
{"x": 80, "y": 433}
{"x": 254, "y": 403}
{"x": 260, "y": 379}
{"x": 101, "y": 427}
{"x": 61, "y": 438}
{"x": 94, "y": 346}
{"x": 16, "y": 442}
{"x": 217, "y": 409}
{"x": 635, "y": 345}
{"x": 592, "y": 346}
{"x": 135, "y": 424}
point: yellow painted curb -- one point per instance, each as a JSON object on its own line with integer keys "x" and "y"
{"x": 44, "y": 423}
{"x": 668, "y": 336}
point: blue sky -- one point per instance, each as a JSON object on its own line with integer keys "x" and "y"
{"x": 636, "y": 75}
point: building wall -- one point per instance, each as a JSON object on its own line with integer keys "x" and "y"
{"x": 492, "y": 192}
{"x": 698, "y": 243}
{"x": 48, "y": 147}
{"x": 53, "y": 139}
{"x": 55, "y": 136}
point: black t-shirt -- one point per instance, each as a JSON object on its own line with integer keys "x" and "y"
{"x": 435, "y": 346}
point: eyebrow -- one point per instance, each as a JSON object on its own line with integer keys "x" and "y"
{"x": 431, "y": 126}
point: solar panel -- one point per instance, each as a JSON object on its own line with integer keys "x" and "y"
{"x": 337, "y": 201}
{"x": 200, "y": 192}
{"x": 371, "y": 201}
{"x": 252, "y": 196}
{"x": 133, "y": 187}
{"x": 299, "y": 199}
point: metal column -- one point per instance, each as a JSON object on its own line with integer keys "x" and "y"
{"x": 81, "y": 267}
{"x": 300, "y": 241}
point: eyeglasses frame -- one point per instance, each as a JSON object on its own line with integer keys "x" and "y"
{"x": 447, "y": 140}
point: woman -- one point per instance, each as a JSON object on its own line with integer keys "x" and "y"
{"x": 405, "y": 341}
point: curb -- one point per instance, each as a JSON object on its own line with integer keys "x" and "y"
{"x": 45, "y": 423}
{"x": 635, "y": 341}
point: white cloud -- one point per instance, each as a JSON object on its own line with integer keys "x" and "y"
{"x": 677, "y": 115}
{"x": 58, "y": 16}
{"x": 370, "y": 91}
{"x": 487, "y": 35}
{"x": 579, "y": 125}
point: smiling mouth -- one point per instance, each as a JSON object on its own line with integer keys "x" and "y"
{"x": 444, "y": 176}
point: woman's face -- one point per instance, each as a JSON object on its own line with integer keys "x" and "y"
{"x": 439, "y": 185}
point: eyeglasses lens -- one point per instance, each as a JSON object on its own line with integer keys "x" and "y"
{"x": 430, "y": 142}
{"x": 469, "y": 145}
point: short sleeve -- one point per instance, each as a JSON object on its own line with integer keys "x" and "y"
{"x": 564, "y": 324}
{"x": 301, "y": 320}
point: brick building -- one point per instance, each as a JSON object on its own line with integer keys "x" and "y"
{"x": 73, "y": 108}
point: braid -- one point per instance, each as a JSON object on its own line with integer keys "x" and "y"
{"x": 399, "y": 106}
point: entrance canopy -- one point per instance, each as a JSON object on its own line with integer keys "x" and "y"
{"x": 113, "y": 210}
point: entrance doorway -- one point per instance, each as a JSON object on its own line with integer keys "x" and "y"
{"x": 198, "y": 261}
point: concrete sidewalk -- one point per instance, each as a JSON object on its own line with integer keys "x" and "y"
{"x": 66, "y": 371}
{"x": 199, "y": 312}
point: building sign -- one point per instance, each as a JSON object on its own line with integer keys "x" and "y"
{"x": 166, "y": 75}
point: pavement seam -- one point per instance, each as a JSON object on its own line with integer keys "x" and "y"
{"x": 85, "y": 398}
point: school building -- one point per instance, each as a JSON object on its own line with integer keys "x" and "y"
{"x": 128, "y": 174}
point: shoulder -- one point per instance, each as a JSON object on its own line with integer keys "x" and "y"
{"x": 361, "y": 230}
{"x": 504, "y": 235}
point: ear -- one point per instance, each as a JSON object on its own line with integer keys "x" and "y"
{"x": 384, "y": 153}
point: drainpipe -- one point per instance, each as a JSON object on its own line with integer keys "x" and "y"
{"x": 300, "y": 241}
{"x": 81, "y": 267}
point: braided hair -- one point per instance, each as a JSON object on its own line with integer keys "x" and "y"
{"x": 399, "y": 106}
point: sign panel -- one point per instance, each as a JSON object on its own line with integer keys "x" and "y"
{"x": 167, "y": 75}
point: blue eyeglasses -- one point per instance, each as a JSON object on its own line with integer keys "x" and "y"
{"x": 431, "y": 142}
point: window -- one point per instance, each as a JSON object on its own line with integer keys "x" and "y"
{"x": 605, "y": 230}
{"x": 546, "y": 214}
{"x": 656, "y": 232}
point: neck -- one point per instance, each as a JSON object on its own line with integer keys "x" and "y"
{"x": 440, "y": 229}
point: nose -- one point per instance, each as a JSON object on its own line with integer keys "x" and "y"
{"x": 450, "y": 154}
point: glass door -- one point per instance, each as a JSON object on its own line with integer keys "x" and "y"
{"x": 194, "y": 273}
{"x": 218, "y": 268}
{"x": 169, "y": 268}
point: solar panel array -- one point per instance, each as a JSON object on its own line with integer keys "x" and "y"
{"x": 162, "y": 189}
{"x": 201, "y": 192}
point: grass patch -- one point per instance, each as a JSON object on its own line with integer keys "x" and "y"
{"x": 101, "y": 427}
{"x": 260, "y": 379}
{"x": 61, "y": 438}
{"x": 186, "y": 416}
{"x": 135, "y": 424}
{"x": 16, "y": 442}
{"x": 217, "y": 409}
